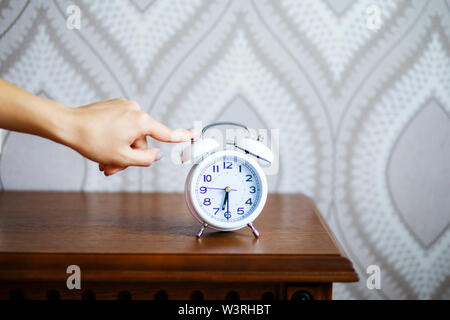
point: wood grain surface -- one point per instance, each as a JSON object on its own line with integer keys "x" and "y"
{"x": 151, "y": 237}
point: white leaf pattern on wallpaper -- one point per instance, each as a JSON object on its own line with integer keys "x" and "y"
{"x": 421, "y": 160}
{"x": 323, "y": 31}
{"x": 346, "y": 100}
{"x": 37, "y": 158}
{"x": 137, "y": 44}
{"x": 367, "y": 213}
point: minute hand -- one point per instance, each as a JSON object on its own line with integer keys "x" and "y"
{"x": 225, "y": 200}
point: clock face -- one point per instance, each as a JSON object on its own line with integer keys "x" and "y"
{"x": 228, "y": 189}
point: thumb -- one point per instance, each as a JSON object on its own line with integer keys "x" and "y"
{"x": 142, "y": 157}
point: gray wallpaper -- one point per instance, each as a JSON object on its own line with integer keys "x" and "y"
{"x": 363, "y": 108}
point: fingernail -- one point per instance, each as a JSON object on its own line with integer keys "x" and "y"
{"x": 159, "y": 156}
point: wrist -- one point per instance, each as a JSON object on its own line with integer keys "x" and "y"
{"x": 63, "y": 127}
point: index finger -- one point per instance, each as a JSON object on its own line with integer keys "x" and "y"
{"x": 163, "y": 133}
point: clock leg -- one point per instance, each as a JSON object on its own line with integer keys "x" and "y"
{"x": 254, "y": 230}
{"x": 204, "y": 226}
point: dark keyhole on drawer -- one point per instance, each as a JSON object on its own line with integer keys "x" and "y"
{"x": 301, "y": 295}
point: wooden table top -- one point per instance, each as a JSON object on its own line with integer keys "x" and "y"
{"x": 152, "y": 236}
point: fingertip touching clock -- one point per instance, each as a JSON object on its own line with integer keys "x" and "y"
{"x": 226, "y": 188}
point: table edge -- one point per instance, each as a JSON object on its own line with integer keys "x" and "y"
{"x": 173, "y": 267}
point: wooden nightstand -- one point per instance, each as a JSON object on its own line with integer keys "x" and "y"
{"x": 143, "y": 246}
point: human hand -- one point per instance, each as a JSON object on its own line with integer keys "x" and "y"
{"x": 113, "y": 133}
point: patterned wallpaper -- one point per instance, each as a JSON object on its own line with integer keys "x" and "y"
{"x": 363, "y": 108}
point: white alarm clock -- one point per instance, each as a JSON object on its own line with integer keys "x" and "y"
{"x": 226, "y": 189}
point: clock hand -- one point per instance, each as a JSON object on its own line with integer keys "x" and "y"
{"x": 225, "y": 200}
{"x": 220, "y": 188}
{"x": 228, "y": 213}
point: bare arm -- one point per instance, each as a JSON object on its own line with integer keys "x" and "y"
{"x": 110, "y": 132}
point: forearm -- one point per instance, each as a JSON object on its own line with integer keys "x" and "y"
{"x": 112, "y": 132}
{"x": 25, "y": 112}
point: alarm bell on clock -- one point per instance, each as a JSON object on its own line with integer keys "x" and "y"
{"x": 226, "y": 189}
